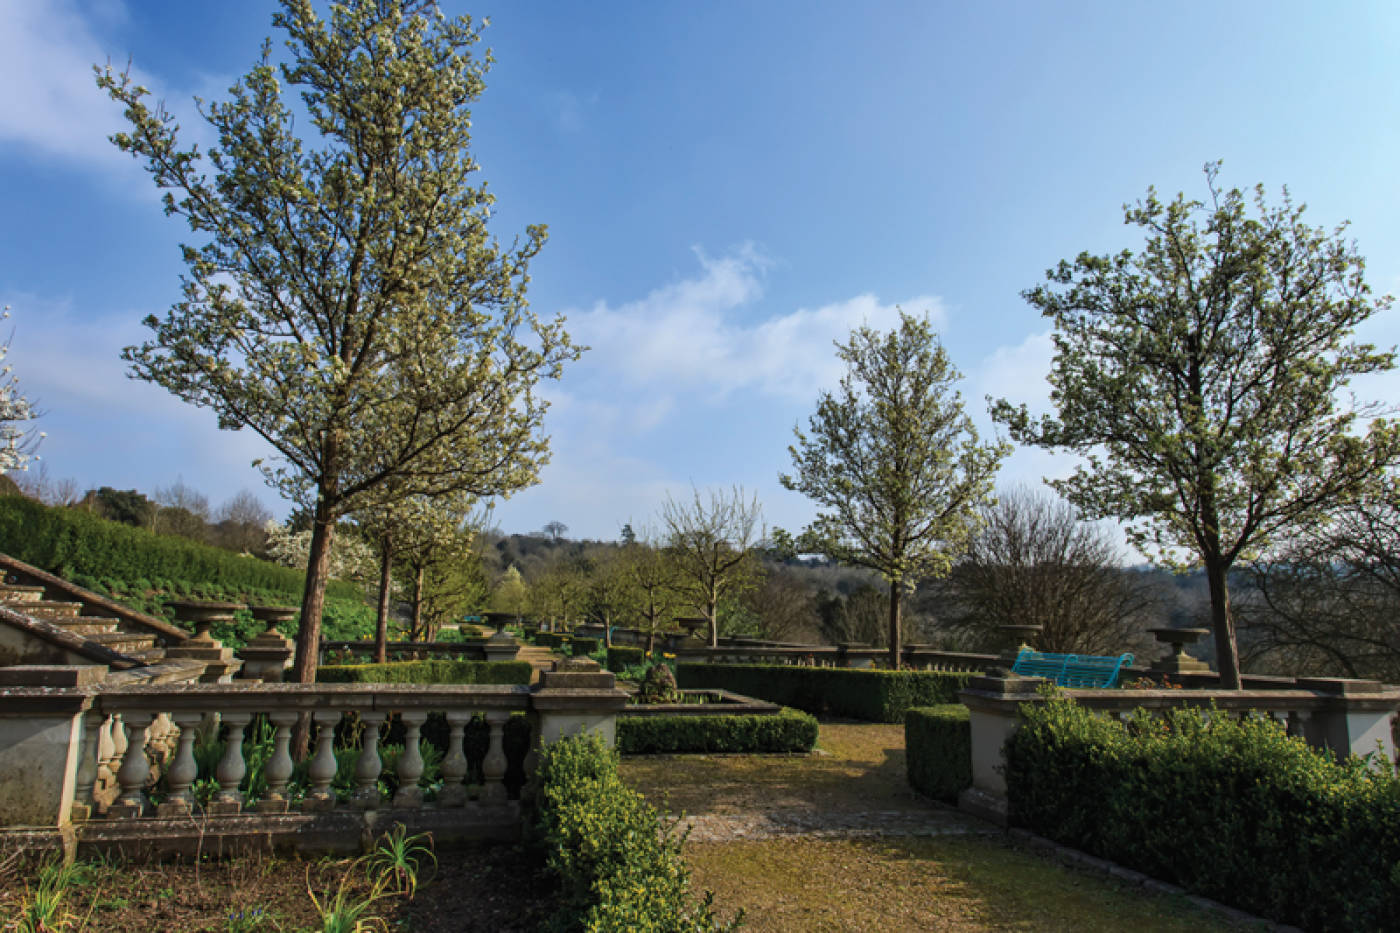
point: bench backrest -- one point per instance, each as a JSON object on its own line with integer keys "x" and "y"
{"x": 1071, "y": 670}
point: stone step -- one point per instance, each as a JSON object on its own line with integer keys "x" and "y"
{"x": 87, "y": 625}
{"x": 14, "y": 593}
{"x": 48, "y": 608}
{"x": 149, "y": 655}
{"x": 125, "y": 642}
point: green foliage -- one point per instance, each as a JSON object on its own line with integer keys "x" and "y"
{"x": 938, "y": 750}
{"x": 617, "y": 867}
{"x": 1204, "y": 382}
{"x": 1230, "y": 808}
{"x": 894, "y": 460}
{"x": 44, "y": 908}
{"x": 875, "y": 696}
{"x": 788, "y": 731}
{"x": 86, "y": 549}
{"x": 583, "y": 647}
{"x": 621, "y": 657}
{"x": 401, "y": 858}
{"x": 427, "y": 672}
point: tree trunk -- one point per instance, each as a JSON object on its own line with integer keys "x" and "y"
{"x": 416, "y": 626}
{"x": 651, "y": 636}
{"x": 381, "y": 622}
{"x": 712, "y": 616}
{"x": 313, "y": 600}
{"x": 607, "y": 629}
{"x": 894, "y": 625}
{"x": 1227, "y": 657}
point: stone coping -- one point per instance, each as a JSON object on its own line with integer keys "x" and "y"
{"x": 171, "y": 633}
{"x": 731, "y": 704}
{"x": 67, "y": 640}
{"x": 988, "y": 693}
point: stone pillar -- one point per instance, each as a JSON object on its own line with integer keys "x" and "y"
{"x": 1354, "y": 718}
{"x": 41, "y": 740}
{"x": 576, "y": 696}
{"x": 994, "y": 712}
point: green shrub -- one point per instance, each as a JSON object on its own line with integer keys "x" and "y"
{"x": 620, "y": 658}
{"x": 583, "y": 647}
{"x": 788, "y": 731}
{"x": 1231, "y": 809}
{"x": 875, "y": 696}
{"x": 73, "y": 543}
{"x": 616, "y": 866}
{"x": 938, "y": 750}
{"x": 427, "y": 672}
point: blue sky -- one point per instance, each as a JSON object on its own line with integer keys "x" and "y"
{"x": 729, "y": 187}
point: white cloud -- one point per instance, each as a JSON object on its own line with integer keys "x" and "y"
{"x": 53, "y": 108}
{"x": 1018, "y": 373}
{"x": 693, "y": 335}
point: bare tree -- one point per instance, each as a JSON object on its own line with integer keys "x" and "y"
{"x": 1327, "y": 602}
{"x": 1033, "y": 562}
{"x": 713, "y": 538}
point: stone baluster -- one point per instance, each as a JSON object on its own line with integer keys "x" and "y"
{"x": 278, "y": 769}
{"x": 231, "y": 768}
{"x": 454, "y": 764}
{"x": 84, "y": 800}
{"x": 118, "y": 735}
{"x": 410, "y": 767}
{"x": 321, "y": 771}
{"x": 368, "y": 765}
{"x": 183, "y": 770}
{"x": 493, "y": 766}
{"x": 135, "y": 769}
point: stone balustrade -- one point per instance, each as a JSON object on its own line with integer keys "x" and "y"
{"x": 98, "y": 753}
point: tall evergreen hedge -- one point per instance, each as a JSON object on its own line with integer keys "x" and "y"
{"x": 872, "y": 695}
{"x": 1232, "y": 809}
{"x": 70, "y": 542}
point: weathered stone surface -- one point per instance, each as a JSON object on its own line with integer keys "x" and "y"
{"x": 52, "y": 675}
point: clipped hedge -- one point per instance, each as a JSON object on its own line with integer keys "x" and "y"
{"x": 621, "y": 657}
{"x": 872, "y": 695}
{"x": 427, "y": 672}
{"x": 788, "y": 731}
{"x": 550, "y": 640}
{"x": 617, "y": 868}
{"x": 938, "y": 750}
{"x": 73, "y": 543}
{"x": 1231, "y": 809}
{"x": 582, "y": 647}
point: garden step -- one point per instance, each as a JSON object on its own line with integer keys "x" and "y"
{"x": 149, "y": 655}
{"x": 87, "y": 625}
{"x": 124, "y": 642}
{"x": 48, "y": 608}
{"x": 14, "y": 593}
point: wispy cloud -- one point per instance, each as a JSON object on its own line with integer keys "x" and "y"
{"x": 700, "y": 334}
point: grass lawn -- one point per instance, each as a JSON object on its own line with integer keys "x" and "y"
{"x": 960, "y": 874}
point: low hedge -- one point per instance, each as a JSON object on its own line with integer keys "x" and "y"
{"x": 788, "y": 731}
{"x": 1231, "y": 809}
{"x": 550, "y": 640}
{"x": 583, "y": 647}
{"x": 938, "y": 750}
{"x": 872, "y": 695}
{"x": 617, "y": 868}
{"x": 427, "y": 672}
{"x": 621, "y": 657}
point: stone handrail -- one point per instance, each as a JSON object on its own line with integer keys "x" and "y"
{"x": 166, "y": 634}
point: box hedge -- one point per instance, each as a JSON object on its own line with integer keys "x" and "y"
{"x": 583, "y": 647}
{"x": 1234, "y": 810}
{"x": 872, "y": 695}
{"x": 787, "y": 731}
{"x": 938, "y": 750}
{"x": 621, "y": 657}
{"x": 616, "y": 866}
{"x": 427, "y": 672}
{"x": 74, "y": 543}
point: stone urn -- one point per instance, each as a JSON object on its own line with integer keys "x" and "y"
{"x": 268, "y": 656}
{"x": 498, "y": 620}
{"x": 219, "y": 663}
{"x": 1176, "y": 660}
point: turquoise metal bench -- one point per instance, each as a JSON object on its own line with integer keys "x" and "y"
{"x": 1070, "y": 670}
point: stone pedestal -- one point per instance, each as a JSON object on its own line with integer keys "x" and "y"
{"x": 219, "y": 662}
{"x": 268, "y": 656}
{"x": 501, "y": 647}
{"x": 577, "y": 696}
{"x": 1355, "y": 720}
